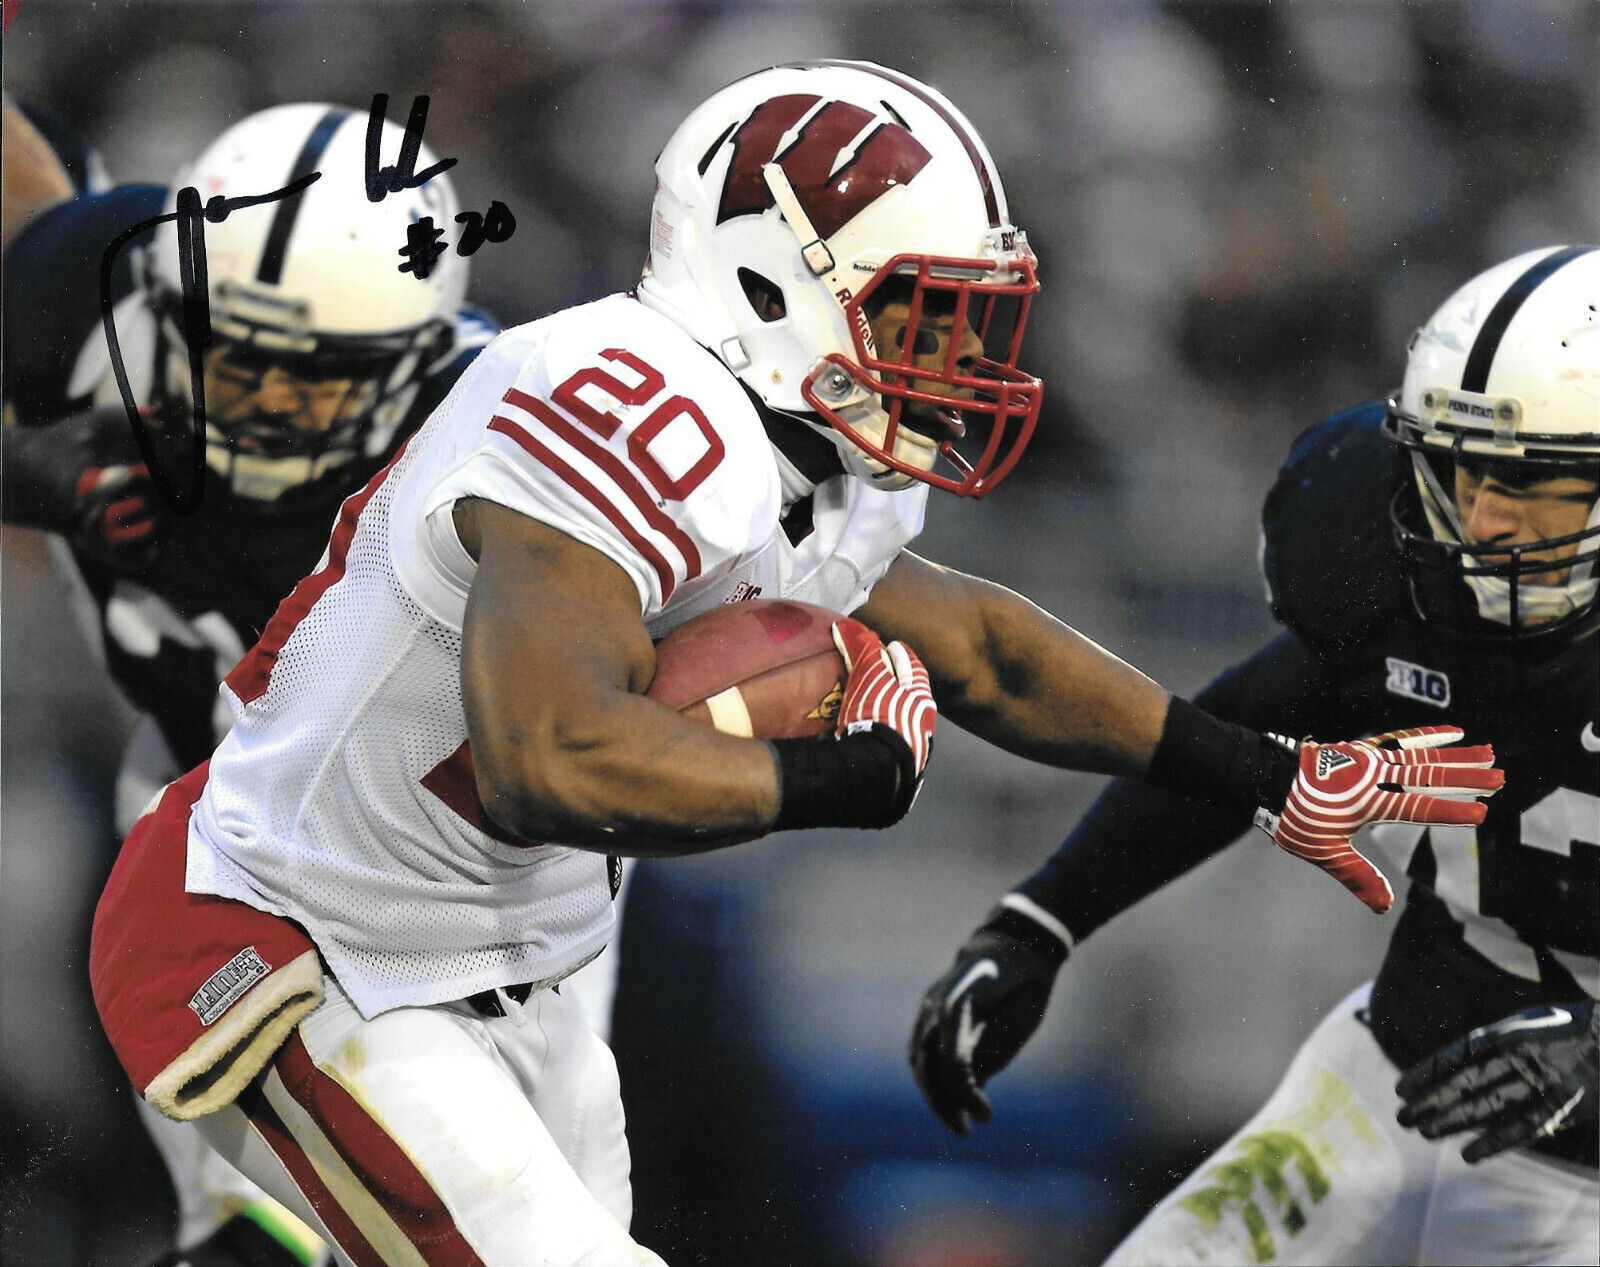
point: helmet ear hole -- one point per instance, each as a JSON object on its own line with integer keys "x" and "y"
{"x": 764, "y": 296}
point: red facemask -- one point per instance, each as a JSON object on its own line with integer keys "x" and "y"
{"x": 980, "y": 433}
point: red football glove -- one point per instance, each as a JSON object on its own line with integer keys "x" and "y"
{"x": 81, "y": 477}
{"x": 117, "y": 511}
{"x": 885, "y": 686}
{"x": 1342, "y": 787}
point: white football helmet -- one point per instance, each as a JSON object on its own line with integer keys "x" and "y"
{"x": 310, "y": 286}
{"x": 1507, "y": 374}
{"x": 815, "y": 185}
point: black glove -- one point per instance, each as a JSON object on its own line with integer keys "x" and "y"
{"x": 83, "y": 479}
{"x": 1529, "y": 1075}
{"x": 975, "y": 1018}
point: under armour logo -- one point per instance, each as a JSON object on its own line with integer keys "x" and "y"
{"x": 1331, "y": 759}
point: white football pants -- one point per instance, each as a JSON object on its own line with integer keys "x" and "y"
{"x": 210, "y": 1191}
{"x": 1324, "y": 1174}
{"x": 435, "y": 1136}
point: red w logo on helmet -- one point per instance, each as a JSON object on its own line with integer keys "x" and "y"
{"x": 839, "y": 160}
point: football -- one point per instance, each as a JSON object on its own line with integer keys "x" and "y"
{"x": 765, "y": 668}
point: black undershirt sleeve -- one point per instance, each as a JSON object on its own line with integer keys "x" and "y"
{"x": 1136, "y": 838}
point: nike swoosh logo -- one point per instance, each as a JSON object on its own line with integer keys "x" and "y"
{"x": 1589, "y": 740}
{"x": 1561, "y": 1114}
{"x": 983, "y": 968}
{"x": 967, "y": 1034}
{"x": 1558, "y": 1016}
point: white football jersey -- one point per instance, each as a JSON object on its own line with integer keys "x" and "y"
{"x": 343, "y": 796}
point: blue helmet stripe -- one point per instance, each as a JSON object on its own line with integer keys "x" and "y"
{"x": 276, "y": 249}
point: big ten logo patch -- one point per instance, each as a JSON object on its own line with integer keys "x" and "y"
{"x": 1428, "y": 686}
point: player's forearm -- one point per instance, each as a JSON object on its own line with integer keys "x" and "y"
{"x": 630, "y": 778}
{"x": 1044, "y": 691}
{"x": 1030, "y": 684}
{"x": 1135, "y": 839}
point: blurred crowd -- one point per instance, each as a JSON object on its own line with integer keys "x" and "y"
{"x": 1241, "y": 209}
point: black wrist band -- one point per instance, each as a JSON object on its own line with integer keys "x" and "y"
{"x": 865, "y": 779}
{"x": 1202, "y": 756}
{"x": 1032, "y": 934}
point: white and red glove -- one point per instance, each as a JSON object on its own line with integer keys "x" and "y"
{"x": 1343, "y": 787}
{"x": 885, "y": 686}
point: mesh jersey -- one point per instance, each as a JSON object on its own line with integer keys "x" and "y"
{"x": 342, "y": 796}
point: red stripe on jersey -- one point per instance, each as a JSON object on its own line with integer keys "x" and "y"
{"x": 384, "y": 1169}
{"x": 624, "y": 476}
{"x": 249, "y": 678}
{"x": 652, "y": 556}
{"x": 275, "y": 1134}
{"x": 455, "y": 782}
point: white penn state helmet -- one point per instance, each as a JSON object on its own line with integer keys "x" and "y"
{"x": 310, "y": 282}
{"x": 1507, "y": 372}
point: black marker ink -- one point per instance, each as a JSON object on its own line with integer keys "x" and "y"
{"x": 383, "y": 181}
{"x": 495, "y": 226}
{"x": 190, "y": 215}
{"x": 424, "y": 245}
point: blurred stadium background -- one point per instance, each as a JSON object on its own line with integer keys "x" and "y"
{"x": 1242, "y": 209}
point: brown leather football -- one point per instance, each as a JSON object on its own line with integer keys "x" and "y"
{"x": 765, "y": 668}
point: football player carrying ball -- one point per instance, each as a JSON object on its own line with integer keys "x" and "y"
{"x": 443, "y": 733}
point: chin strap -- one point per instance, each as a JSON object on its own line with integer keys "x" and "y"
{"x": 815, "y": 252}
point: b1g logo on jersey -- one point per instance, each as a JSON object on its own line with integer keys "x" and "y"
{"x": 1427, "y": 686}
{"x": 838, "y": 157}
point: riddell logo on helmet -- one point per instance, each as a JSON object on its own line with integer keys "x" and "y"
{"x": 837, "y": 163}
{"x": 862, "y": 328}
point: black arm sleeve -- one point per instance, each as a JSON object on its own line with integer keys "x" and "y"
{"x": 1136, "y": 838}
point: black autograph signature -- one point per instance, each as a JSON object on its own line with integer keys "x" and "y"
{"x": 155, "y": 437}
{"x": 191, "y": 216}
{"x": 383, "y": 181}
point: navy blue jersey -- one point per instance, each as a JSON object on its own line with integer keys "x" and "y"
{"x": 82, "y": 165}
{"x": 1498, "y": 917}
{"x": 173, "y": 628}
{"x": 52, "y": 296}
{"x": 1521, "y": 892}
